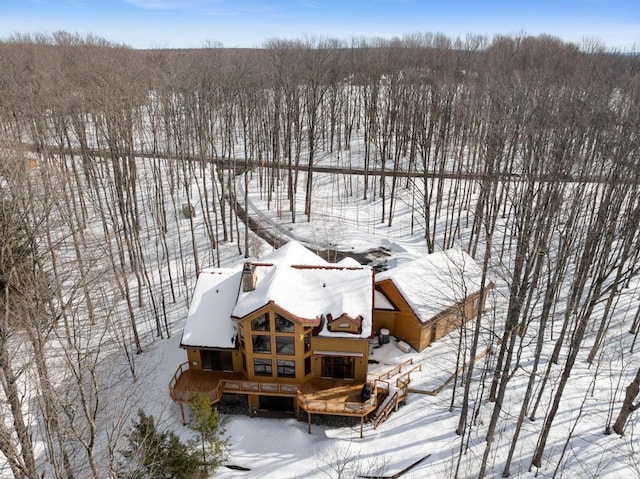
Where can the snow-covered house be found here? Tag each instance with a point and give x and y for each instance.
(422, 300)
(280, 329)
(292, 331)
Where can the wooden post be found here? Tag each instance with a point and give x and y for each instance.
(361, 425)
(309, 421)
(184, 422)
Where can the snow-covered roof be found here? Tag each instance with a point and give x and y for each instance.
(294, 279)
(436, 282)
(294, 253)
(308, 287)
(209, 322)
(349, 262)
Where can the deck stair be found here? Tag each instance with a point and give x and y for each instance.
(396, 380)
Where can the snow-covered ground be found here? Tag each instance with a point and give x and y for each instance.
(425, 424)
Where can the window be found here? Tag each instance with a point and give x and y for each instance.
(261, 323)
(307, 342)
(261, 343)
(307, 365)
(262, 367)
(286, 369)
(216, 360)
(285, 345)
(337, 367)
(283, 325)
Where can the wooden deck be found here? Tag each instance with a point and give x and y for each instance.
(319, 396)
(187, 382)
(336, 396)
(332, 389)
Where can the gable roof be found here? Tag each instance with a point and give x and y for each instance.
(292, 278)
(307, 287)
(436, 282)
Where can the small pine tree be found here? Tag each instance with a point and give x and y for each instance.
(154, 454)
(206, 421)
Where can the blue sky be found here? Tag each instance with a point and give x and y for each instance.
(248, 23)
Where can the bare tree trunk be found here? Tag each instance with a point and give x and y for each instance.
(628, 405)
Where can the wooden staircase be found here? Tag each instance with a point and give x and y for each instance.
(396, 380)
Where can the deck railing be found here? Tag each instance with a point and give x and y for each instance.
(244, 387)
(343, 408)
(178, 396)
(223, 385)
(383, 414)
(394, 370)
(406, 376)
(239, 386)
(400, 393)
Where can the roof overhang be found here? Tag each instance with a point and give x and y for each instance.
(349, 354)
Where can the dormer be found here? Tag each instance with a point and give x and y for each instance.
(344, 324)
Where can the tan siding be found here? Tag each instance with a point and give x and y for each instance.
(236, 356)
(384, 319)
(345, 345)
(193, 356)
(406, 325)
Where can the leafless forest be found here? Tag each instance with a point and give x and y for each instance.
(528, 142)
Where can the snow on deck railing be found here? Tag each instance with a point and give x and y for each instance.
(395, 370)
(397, 394)
(404, 379)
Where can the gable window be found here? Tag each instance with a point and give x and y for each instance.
(262, 367)
(283, 325)
(261, 343)
(261, 323)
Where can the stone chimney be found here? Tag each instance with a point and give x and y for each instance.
(248, 277)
